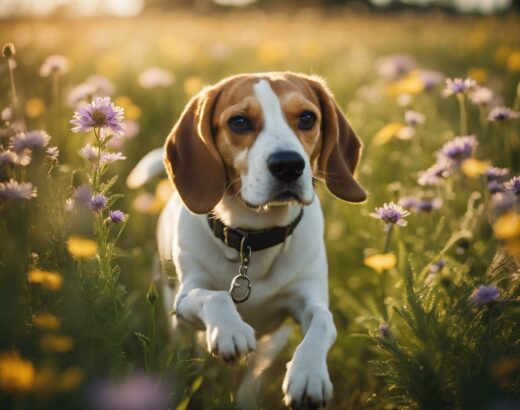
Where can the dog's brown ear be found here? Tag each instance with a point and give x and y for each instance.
(340, 150)
(191, 157)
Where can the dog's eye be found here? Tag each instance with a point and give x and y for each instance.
(306, 120)
(240, 124)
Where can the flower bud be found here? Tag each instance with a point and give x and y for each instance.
(9, 50)
(152, 295)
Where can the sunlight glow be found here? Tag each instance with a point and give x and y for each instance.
(120, 8)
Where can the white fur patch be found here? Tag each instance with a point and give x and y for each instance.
(259, 185)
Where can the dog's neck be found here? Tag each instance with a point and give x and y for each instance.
(234, 213)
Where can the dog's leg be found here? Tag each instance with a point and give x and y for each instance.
(307, 382)
(227, 335)
(268, 348)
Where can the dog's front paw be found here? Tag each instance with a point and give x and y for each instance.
(307, 386)
(230, 340)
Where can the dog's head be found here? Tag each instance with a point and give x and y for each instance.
(262, 137)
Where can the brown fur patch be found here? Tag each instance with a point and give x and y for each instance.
(237, 98)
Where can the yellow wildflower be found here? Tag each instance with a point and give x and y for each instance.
(502, 54)
(513, 247)
(45, 379)
(81, 248)
(70, 379)
(34, 107)
(411, 84)
(48, 280)
(16, 374)
(473, 168)
(57, 343)
(513, 61)
(385, 134)
(46, 321)
(132, 111)
(381, 261)
(507, 226)
(49, 380)
(478, 74)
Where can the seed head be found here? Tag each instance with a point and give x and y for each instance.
(9, 50)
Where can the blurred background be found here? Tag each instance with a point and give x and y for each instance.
(126, 8)
(380, 58)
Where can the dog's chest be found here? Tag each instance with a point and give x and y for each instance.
(268, 304)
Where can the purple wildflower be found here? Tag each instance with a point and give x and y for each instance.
(458, 149)
(139, 392)
(484, 295)
(408, 202)
(503, 114)
(94, 86)
(101, 113)
(429, 204)
(481, 96)
(102, 85)
(430, 78)
(132, 128)
(89, 152)
(502, 202)
(434, 174)
(395, 66)
(391, 214)
(23, 159)
(110, 157)
(437, 266)
(14, 190)
(420, 204)
(54, 65)
(98, 202)
(458, 86)
(155, 77)
(384, 330)
(53, 153)
(117, 216)
(494, 186)
(7, 158)
(29, 140)
(414, 118)
(513, 185)
(496, 174)
(81, 93)
(83, 194)
(6, 114)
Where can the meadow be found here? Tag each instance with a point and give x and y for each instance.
(427, 313)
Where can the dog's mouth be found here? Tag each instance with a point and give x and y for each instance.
(283, 198)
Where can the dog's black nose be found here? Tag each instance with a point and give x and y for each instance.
(286, 165)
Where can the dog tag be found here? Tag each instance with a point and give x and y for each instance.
(240, 288)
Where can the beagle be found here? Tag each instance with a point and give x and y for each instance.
(244, 227)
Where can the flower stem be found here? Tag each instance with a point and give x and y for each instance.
(389, 229)
(152, 335)
(56, 104)
(463, 115)
(14, 96)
